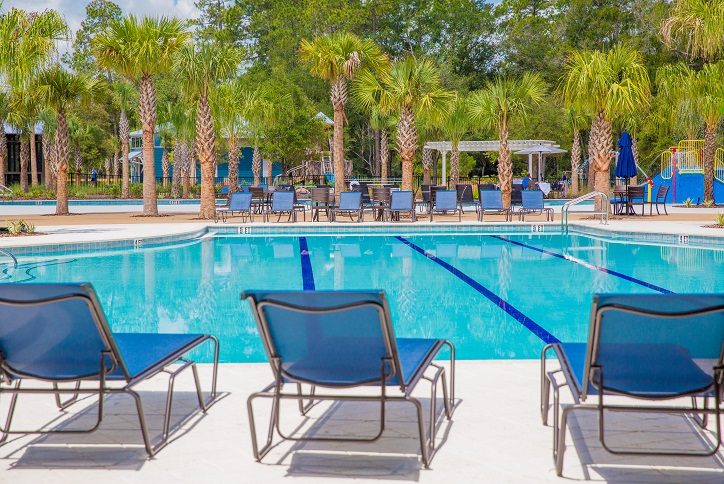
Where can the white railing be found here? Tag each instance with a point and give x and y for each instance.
(5, 192)
(566, 209)
(9, 254)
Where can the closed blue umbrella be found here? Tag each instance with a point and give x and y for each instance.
(626, 166)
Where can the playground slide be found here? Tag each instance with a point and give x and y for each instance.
(688, 185)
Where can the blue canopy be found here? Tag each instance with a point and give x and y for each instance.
(626, 166)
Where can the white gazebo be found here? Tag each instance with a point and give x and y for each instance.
(514, 145)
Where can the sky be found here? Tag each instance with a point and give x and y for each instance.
(74, 10)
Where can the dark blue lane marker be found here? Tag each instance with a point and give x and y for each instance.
(534, 327)
(589, 265)
(307, 273)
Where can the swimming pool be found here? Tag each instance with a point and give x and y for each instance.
(493, 295)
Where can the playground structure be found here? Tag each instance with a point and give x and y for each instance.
(312, 168)
(682, 168)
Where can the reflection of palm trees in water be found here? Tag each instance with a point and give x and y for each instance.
(206, 299)
(504, 265)
(407, 296)
(602, 281)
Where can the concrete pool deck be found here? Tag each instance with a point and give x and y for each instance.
(495, 435)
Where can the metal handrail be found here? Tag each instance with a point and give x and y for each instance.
(6, 192)
(565, 210)
(9, 254)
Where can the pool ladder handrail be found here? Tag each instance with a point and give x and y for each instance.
(9, 254)
(565, 210)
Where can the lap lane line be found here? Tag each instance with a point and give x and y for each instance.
(534, 327)
(307, 273)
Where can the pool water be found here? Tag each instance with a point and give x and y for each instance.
(493, 296)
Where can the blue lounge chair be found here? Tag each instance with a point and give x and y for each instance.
(446, 201)
(650, 348)
(240, 203)
(532, 201)
(350, 203)
(401, 201)
(282, 203)
(58, 333)
(491, 202)
(224, 190)
(340, 340)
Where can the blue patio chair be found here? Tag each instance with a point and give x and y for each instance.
(58, 333)
(224, 190)
(244, 188)
(532, 204)
(282, 202)
(491, 202)
(340, 340)
(350, 203)
(240, 203)
(446, 201)
(649, 348)
(401, 201)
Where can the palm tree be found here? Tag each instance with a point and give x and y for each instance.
(47, 117)
(576, 120)
(610, 85)
(337, 58)
(4, 111)
(228, 113)
(124, 95)
(381, 122)
(495, 105)
(412, 88)
(704, 91)
(180, 117)
(699, 24)
(60, 90)
(261, 112)
(455, 127)
(24, 111)
(201, 66)
(139, 49)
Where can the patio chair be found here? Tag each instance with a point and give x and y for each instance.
(258, 199)
(282, 202)
(634, 196)
(240, 203)
(533, 205)
(660, 198)
(445, 201)
(491, 202)
(650, 349)
(516, 195)
(58, 333)
(618, 202)
(224, 190)
(465, 195)
(350, 203)
(380, 200)
(338, 341)
(401, 201)
(320, 202)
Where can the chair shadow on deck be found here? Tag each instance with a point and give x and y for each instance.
(101, 449)
(395, 456)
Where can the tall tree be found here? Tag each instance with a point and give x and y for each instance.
(261, 112)
(201, 66)
(456, 126)
(337, 58)
(610, 85)
(4, 111)
(99, 13)
(139, 49)
(576, 121)
(494, 106)
(412, 88)
(697, 26)
(124, 95)
(61, 90)
(228, 111)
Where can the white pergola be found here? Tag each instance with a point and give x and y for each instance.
(514, 144)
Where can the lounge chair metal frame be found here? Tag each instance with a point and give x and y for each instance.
(456, 207)
(389, 369)
(11, 378)
(593, 384)
(395, 207)
(246, 212)
(349, 210)
(497, 210)
(536, 209)
(291, 210)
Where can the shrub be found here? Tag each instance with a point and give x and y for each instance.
(687, 203)
(708, 203)
(136, 190)
(720, 219)
(20, 227)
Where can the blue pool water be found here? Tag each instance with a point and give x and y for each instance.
(494, 296)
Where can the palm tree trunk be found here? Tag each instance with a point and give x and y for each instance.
(592, 135)
(384, 154)
(575, 162)
(256, 165)
(3, 155)
(426, 165)
(147, 113)
(116, 165)
(33, 160)
(47, 155)
(62, 153)
(407, 142)
(709, 154)
(206, 147)
(339, 100)
(601, 155)
(78, 163)
(178, 166)
(233, 165)
(505, 166)
(454, 166)
(126, 169)
(193, 154)
(635, 151)
(24, 161)
(165, 166)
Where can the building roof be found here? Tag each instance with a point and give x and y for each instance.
(513, 144)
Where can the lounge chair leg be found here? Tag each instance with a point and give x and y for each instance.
(63, 405)
(144, 427)
(5, 431)
(259, 453)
